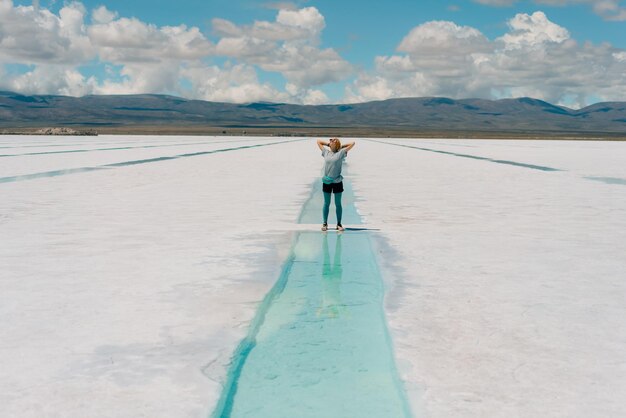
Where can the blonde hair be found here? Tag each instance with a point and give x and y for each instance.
(335, 145)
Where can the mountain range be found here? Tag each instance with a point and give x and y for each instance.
(523, 115)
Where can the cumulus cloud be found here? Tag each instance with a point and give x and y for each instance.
(289, 45)
(306, 96)
(155, 59)
(534, 58)
(238, 84)
(137, 78)
(30, 35)
(103, 15)
(308, 19)
(130, 40)
(144, 58)
(536, 29)
(439, 59)
(152, 58)
(433, 37)
(290, 25)
(314, 97)
(44, 79)
(607, 9)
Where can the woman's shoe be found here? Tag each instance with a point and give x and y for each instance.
(324, 227)
(340, 227)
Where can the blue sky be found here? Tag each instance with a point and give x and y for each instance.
(565, 51)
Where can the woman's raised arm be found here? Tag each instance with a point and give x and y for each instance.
(348, 146)
(321, 144)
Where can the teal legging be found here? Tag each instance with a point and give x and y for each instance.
(338, 208)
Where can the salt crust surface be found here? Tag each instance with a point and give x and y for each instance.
(17, 165)
(506, 290)
(123, 292)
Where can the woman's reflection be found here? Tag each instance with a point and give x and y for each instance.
(331, 306)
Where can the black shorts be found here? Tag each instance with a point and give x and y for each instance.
(333, 187)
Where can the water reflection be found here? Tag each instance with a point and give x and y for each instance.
(331, 306)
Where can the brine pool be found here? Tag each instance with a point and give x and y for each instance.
(319, 345)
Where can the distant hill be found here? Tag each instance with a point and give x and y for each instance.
(414, 114)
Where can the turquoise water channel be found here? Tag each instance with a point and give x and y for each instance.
(319, 345)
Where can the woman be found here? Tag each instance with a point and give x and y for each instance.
(333, 153)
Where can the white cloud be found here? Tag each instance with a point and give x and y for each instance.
(440, 59)
(288, 46)
(308, 19)
(607, 9)
(247, 48)
(535, 58)
(238, 84)
(44, 79)
(29, 35)
(152, 58)
(368, 87)
(435, 36)
(306, 66)
(535, 29)
(304, 24)
(138, 78)
(103, 15)
(314, 97)
(130, 40)
(305, 96)
(140, 57)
